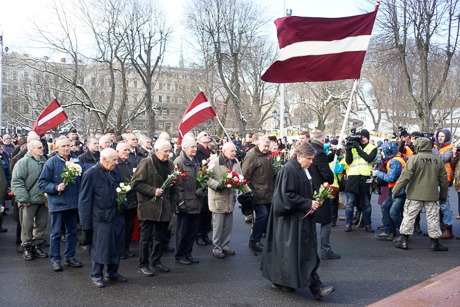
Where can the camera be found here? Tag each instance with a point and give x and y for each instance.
(377, 183)
(353, 139)
(402, 131)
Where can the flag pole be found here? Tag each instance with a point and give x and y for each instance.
(229, 139)
(347, 114)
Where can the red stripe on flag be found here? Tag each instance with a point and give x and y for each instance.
(51, 117)
(197, 112)
(320, 49)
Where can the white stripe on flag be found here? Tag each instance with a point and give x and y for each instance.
(348, 44)
(50, 116)
(196, 109)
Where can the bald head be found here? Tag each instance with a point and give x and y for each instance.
(229, 150)
(109, 158)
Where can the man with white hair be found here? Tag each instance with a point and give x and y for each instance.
(203, 152)
(62, 205)
(156, 206)
(105, 236)
(222, 200)
(32, 210)
(145, 146)
(104, 142)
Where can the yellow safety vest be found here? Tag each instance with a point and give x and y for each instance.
(359, 166)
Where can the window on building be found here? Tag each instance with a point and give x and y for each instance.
(167, 125)
(164, 112)
(102, 81)
(27, 90)
(176, 86)
(168, 99)
(93, 81)
(160, 125)
(135, 83)
(26, 75)
(26, 109)
(135, 97)
(160, 85)
(176, 100)
(15, 76)
(168, 86)
(5, 75)
(160, 98)
(82, 81)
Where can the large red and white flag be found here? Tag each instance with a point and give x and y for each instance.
(197, 112)
(320, 49)
(52, 116)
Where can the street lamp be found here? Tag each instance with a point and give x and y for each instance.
(275, 116)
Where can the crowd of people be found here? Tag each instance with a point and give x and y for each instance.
(103, 192)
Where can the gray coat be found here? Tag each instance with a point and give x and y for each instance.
(146, 180)
(186, 186)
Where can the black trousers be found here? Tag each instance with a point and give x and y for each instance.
(151, 233)
(187, 228)
(205, 220)
(130, 217)
(335, 209)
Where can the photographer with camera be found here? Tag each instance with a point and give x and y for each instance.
(360, 156)
(444, 150)
(391, 209)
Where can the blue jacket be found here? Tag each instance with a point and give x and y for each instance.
(98, 212)
(50, 178)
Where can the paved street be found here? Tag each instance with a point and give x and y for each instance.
(369, 270)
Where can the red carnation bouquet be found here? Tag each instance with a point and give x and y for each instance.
(233, 180)
(275, 155)
(204, 174)
(324, 192)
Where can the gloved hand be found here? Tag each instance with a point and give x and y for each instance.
(356, 145)
(199, 193)
(86, 237)
(182, 208)
(402, 147)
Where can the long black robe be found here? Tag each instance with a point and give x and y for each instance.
(290, 254)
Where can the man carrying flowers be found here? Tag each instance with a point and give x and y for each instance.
(222, 198)
(156, 206)
(60, 180)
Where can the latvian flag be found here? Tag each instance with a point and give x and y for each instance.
(197, 112)
(320, 49)
(52, 116)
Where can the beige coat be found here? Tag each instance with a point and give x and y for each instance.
(221, 201)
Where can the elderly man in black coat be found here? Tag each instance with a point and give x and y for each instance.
(290, 259)
(321, 173)
(102, 221)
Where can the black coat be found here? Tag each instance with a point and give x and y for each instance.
(88, 159)
(124, 170)
(186, 186)
(201, 154)
(97, 207)
(290, 254)
(320, 173)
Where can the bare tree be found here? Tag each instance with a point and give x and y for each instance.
(422, 31)
(230, 27)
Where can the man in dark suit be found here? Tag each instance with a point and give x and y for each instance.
(321, 173)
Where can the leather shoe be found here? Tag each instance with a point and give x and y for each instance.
(207, 240)
(146, 271)
(219, 255)
(257, 246)
(330, 256)
(284, 288)
(28, 254)
(347, 228)
(57, 267)
(3, 229)
(381, 227)
(99, 283)
(129, 254)
(37, 252)
(228, 252)
(183, 261)
(74, 263)
(369, 229)
(323, 291)
(193, 260)
(168, 249)
(201, 242)
(162, 268)
(45, 243)
(118, 278)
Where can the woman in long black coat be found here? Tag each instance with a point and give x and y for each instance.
(290, 258)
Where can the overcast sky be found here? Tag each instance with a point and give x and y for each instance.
(16, 16)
